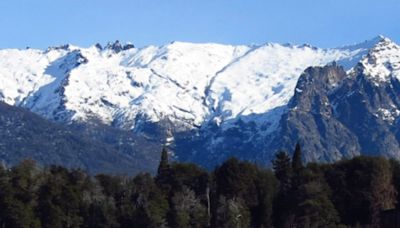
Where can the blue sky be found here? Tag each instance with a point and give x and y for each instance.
(324, 23)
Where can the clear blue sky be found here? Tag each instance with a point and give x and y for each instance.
(324, 23)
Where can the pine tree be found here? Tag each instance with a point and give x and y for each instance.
(283, 201)
(163, 178)
(164, 165)
(297, 164)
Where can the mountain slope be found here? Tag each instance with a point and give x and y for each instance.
(333, 113)
(25, 135)
(357, 116)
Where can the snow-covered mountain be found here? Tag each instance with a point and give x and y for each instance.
(188, 83)
(192, 86)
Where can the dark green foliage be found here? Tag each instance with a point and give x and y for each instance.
(283, 171)
(235, 178)
(184, 175)
(361, 189)
(283, 202)
(21, 202)
(266, 192)
(236, 194)
(312, 206)
(189, 185)
(151, 207)
(62, 196)
(246, 191)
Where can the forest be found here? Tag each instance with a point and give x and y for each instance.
(349, 193)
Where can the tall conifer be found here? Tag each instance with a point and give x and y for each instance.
(297, 164)
(164, 164)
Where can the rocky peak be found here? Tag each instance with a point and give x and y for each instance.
(98, 46)
(316, 82)
(382, 61)
(353, 117)
(128, 46)
(64, 47)
(117, 46)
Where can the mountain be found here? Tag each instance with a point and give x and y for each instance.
(212, 101)
(186, 83)
(346, 114)
(335, 112)
(26, 135)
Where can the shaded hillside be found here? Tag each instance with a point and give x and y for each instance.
(94, 148)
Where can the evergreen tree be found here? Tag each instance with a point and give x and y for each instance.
(185, 175)
(163, 178)
(98, 209)
(283, 201)
(150, 205)
(362, 188)
(164, 164)
(23, 181)
(237, 179)
(49, 209)
(238, 194)
(311, 205)
(110, 185)
(61, 197)
(242, 184)
(297, 164)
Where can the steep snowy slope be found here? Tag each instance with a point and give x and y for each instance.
(333, 112)
(23, 72)
(189, 84)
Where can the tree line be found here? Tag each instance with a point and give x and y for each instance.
(348, 193)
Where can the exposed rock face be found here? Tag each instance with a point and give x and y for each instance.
(335, 115)
(116, 46)
(310, 118)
